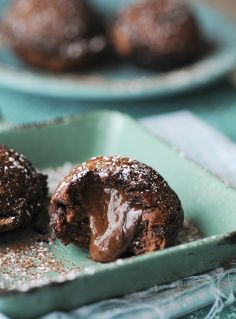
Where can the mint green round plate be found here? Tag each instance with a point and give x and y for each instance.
(128, 82)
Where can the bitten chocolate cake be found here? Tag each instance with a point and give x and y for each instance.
(115, 205)
(157, 34)
(55, 35)
(23, 191)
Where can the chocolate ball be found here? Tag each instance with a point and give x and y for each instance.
(56, 35)
(114, 206)
(23, 191)
(157, 34)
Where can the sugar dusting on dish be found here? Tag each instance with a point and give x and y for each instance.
(57, 174)
(30, 262)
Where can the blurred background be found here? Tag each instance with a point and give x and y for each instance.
(28, 95)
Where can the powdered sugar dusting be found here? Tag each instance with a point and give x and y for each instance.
(55, 175)
(117, 165)
(29, 262)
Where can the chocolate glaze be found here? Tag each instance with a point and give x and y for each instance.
(155, 34)
(23, 191)
(56, 34)
(114, 205)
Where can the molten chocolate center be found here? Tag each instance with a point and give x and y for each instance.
(112, 219)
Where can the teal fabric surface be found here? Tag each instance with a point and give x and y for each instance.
(198, 141)
(166, 301)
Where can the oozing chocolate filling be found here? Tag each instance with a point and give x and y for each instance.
(114, 206)
(112, 221)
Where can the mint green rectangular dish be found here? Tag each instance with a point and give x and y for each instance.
(207, 201)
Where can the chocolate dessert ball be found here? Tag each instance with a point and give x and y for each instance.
(55, 35)
(157, 34)
(113, 206)
(23, 191)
